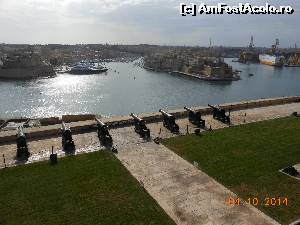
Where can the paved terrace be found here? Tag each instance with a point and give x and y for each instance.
(187, 194)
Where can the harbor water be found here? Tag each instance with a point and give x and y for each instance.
(127, 88)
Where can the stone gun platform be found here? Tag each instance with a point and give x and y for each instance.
(41, 139)
(188, 195)
(120, 121)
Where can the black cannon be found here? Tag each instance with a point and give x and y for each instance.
(103, 134)
(169, 121)
(220, 114)
(195, 117)
(140, 126)
(22, 147)
(67, 139)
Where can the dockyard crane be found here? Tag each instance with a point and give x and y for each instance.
(274, 47)
(251, 45)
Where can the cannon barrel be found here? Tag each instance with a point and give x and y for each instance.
(64, 126)
(195, 117)
(188, 109)
(136, 117)
(220, 114)
(217, 107)
(99, 122)
(165, 113)
(22, 148)
(20, 132)
(140, 126)
(213, 107)
(67, 139)
(103, 133)
(169, 121)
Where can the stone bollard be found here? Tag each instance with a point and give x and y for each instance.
(4, 161)
(53, 158)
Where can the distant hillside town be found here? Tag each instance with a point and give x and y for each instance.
(202, 62)
(190, 64)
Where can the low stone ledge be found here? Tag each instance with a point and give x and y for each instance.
(123, 121)
(77, 118)
(50, 121)
(52, 131)
(7, 137)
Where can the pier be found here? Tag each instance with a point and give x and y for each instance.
(201, 77)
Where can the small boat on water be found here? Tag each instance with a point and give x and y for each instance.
(62, 69)
(85, 68)
(251, 74)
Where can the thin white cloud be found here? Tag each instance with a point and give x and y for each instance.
(137, 21)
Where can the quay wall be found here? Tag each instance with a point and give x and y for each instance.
(208, 78)
(123, 121)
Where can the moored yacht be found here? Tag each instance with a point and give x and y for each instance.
(84, 68)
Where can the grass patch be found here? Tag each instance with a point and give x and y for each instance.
(246, 159)
(86, 189)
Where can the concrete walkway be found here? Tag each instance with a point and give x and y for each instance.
(188, 195)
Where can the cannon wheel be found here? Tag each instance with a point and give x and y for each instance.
(175, 129)
(146, 133)
(164, 123)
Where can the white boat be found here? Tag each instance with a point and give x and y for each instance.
(272, 60)
(85, 68)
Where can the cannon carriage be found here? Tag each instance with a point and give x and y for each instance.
(103, 134)
(169, 121)
(22, 147)
(195, 117)
(140, 126)
(220, 114)
(67, 139)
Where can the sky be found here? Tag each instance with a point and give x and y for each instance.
(141, 22)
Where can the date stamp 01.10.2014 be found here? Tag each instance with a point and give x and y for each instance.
(256, 201)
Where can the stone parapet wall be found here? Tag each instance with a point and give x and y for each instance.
(77, 118)
(123, 121)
